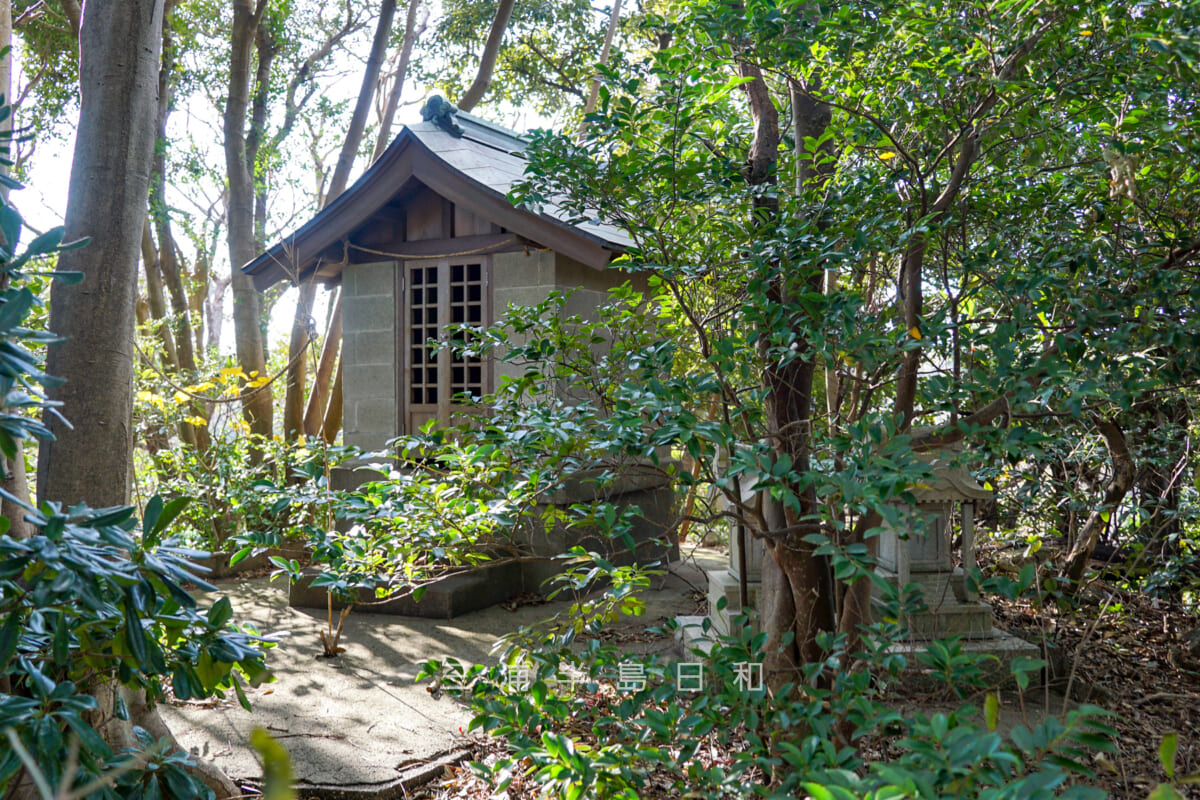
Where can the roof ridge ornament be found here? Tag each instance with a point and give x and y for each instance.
(441, 113)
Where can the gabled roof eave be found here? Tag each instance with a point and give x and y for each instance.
(296, 255)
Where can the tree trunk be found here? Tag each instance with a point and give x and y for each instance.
(319, 398)
(1118, 485)
(6, 29)
(167, 252)
(333, 415)
(107, 198)
(487, 61)
(16, 483)
(412, 29)
(297, 368)
(155, 300)
(931, 209)
(155, 308)
(799, 601)
(110, 175)
(257, 407)
(362, 108)
(614, 21)
(72, 10)
(302, 326)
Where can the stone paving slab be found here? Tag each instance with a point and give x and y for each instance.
(358, 725)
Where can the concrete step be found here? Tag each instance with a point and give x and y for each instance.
(721, 584)
(969, 620)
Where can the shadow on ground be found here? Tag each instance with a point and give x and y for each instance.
(358, 725)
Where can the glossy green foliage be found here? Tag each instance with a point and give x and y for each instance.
(579, 404)
(87, 602)
(1059, 278)
(581, 718)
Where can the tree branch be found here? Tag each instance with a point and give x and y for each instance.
(487, 62)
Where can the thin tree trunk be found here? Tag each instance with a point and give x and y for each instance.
(912, 262)
(12, 477)
(167, 255)
(302, 325)
(412, 29)
(247, 306)
(614, 21)
(6, 30)
(487, 61)
(333, 415)
(1118, 486)
(16, 482)
(802, 576)
(155, 302)
(362, 108)
(319, 398)
(72, 10)
(155, 309)
(297, 369)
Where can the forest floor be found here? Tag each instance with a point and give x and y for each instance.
(1129, 654)
(1122, 651)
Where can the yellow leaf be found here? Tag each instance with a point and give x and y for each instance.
(1085, 33)
(180, 398)
(914, 333)
(991, 710)
(886, 155)
(197, 421)
(231, 372)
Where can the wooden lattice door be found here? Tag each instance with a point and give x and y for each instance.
(436, 295)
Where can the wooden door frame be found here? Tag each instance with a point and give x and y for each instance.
(404, 334)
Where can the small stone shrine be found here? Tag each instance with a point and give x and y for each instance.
(921, 552)
(726, 583)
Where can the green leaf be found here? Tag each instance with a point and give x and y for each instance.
(1166, 753)
(16, 307)
(220, 613)
(1164, 791)
(48, 242)
(150, 516)
(991, 710)
(62, 642)
(164, 516)
(67, 277)
(277, 766)
(135, 635)
(9, 636)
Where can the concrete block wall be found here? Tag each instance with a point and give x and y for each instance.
(369, 339)
(520, 279)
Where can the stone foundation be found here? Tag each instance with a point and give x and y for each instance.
(489, 584)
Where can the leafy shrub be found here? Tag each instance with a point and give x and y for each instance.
(85, 603)
(607, 736)
(88, 607)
